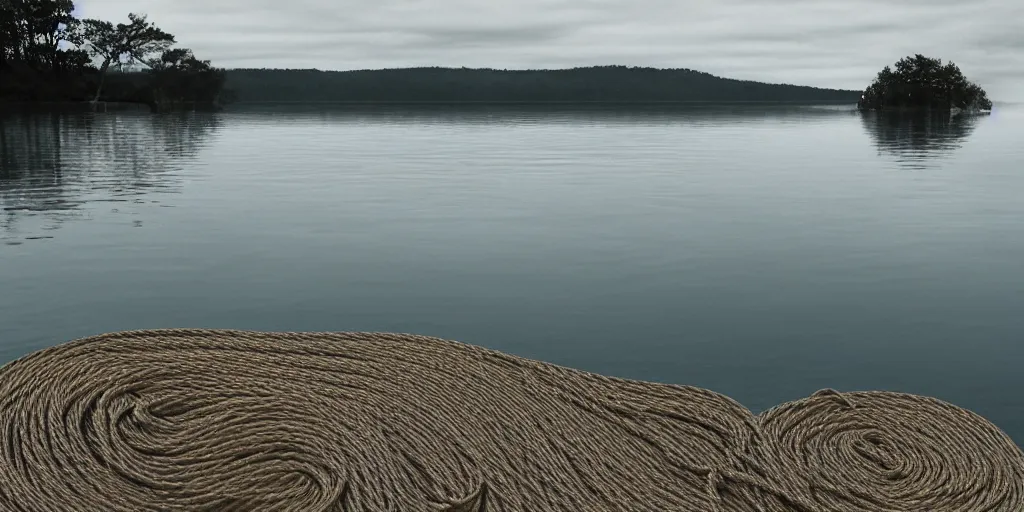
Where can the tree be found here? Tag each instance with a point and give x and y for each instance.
(180, 78)
(39, 58)
(31, 31)
(47, 54)
(920, 82)
(131, 42)
(52, 24)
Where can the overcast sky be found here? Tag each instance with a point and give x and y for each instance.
(826, 43)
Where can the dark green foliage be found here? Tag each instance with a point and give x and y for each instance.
(46, 54)
(179, 78)
(37, 58)
(125, 43)
(31, 31)
(919, 82)
(595, 84)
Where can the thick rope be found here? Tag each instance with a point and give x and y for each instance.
(890, 451)
(228, 420)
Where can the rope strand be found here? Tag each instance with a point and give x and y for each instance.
(357, 422)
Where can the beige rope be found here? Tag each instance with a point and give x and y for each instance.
(228, 420)
(890, 451)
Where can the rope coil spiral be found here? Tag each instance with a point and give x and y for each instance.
(356, 422)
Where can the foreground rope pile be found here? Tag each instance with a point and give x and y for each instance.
(224, 420)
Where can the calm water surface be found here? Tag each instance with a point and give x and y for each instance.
(762, 253)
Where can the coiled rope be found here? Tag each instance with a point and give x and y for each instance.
(351, 422)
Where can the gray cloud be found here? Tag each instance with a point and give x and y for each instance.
(828, 43)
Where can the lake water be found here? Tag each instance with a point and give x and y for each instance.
(764, 253)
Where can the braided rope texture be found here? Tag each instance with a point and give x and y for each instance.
(354, 422)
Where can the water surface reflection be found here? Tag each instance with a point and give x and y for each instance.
(54, 166)
(921, 140)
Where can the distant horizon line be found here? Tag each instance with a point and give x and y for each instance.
(552, 102)
(534, 70)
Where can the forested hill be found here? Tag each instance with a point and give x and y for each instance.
(596, 84)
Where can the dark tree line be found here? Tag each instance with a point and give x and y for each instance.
(920, 82)
(180, 77)
(33, 61)
(47, 54)
(594, 84)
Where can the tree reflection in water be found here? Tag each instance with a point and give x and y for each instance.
(55, 167)
(918, 140)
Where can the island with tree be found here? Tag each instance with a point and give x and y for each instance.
(49, 55)
(920, 83)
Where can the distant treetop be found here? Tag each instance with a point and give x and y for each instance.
(920, 82)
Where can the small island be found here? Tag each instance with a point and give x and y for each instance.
(922, 83)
